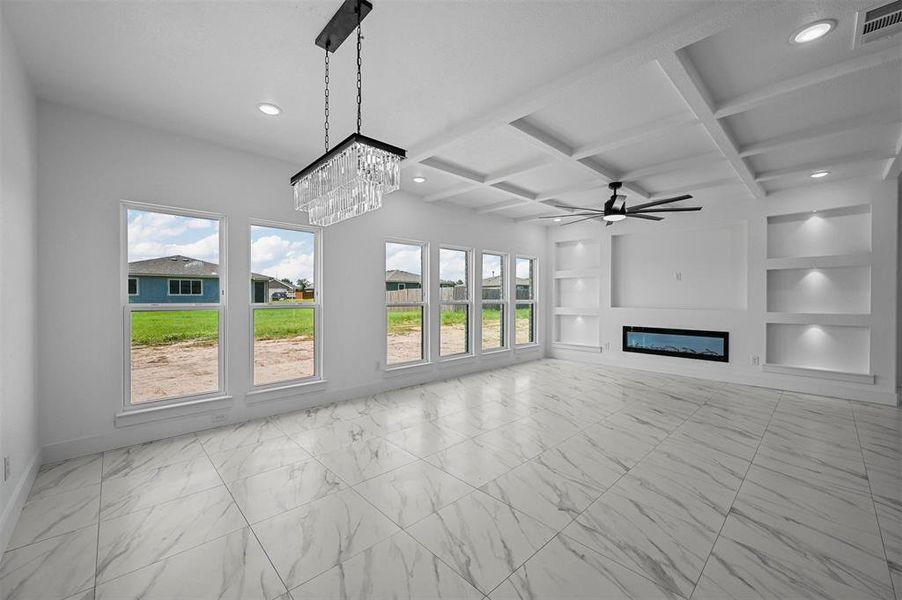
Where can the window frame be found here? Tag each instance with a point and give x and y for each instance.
(315, 306)
(424, 305)
(221, 307)
(469, 302)
(180, 280)
(533, 301)
(504, 301)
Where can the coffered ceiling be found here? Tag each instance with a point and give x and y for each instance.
(504, 107)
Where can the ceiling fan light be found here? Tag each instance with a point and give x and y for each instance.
(613, 218)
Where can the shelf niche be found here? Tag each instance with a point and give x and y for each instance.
(841, 290)
(838, 348)
(830, 232)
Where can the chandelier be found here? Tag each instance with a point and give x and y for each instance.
(351, 178)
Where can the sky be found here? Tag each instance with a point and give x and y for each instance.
(404, 257)
(276, 252)
(154, 235)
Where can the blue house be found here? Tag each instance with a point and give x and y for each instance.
(173, 279)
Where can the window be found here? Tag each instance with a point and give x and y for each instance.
(174, 345)
(186, 287)
(454, 292)
(494, 292)
(285, 312)
(405, 303)
(525, 312)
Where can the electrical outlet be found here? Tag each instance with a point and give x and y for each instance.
(220, 418)
(6, 468)
(607, 345)
(756, 360)
(679, 276)
(378, 365)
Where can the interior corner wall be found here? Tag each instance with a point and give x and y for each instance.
(899, 294)
(89, 163)
(18, 267)
(746, 321)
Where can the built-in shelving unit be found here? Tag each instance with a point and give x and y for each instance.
(576, 294)
(818, 292)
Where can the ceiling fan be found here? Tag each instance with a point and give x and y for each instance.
(615, 208)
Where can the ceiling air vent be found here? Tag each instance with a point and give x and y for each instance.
(877, 23)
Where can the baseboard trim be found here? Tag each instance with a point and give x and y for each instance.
(245, 411)
(10, 515)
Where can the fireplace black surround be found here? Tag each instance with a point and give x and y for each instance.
(683, 343)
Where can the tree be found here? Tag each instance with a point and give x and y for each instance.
(303, 283)
(285, 280)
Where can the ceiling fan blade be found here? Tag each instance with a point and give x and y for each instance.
(619, 202)
(589, 214)
(581, 220)
(664, 201)
(657, 210)
(643, 216)
(568, 207)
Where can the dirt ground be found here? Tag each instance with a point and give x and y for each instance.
(190, 368)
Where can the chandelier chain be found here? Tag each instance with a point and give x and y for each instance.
(359, 69)
(327, 96)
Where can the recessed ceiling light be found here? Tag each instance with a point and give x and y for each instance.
(812, 32)
(419, 179)
(270, 109)
(819, 174)
(557, 219)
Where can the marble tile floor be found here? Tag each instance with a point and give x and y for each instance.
(547, 480)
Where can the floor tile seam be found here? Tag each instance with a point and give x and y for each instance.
(248, 524)
(574, 519)
(57, 494)
(267, 470)
(155, 504)
(141, 470)
(96, 521)
(732, 502)
(892, 583)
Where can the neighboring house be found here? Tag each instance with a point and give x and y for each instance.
(491, 287)
(396, 279)
(173, 279)
(277, 285)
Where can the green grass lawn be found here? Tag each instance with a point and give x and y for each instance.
(154, 328)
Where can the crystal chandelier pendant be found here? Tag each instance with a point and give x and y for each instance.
(348, 181)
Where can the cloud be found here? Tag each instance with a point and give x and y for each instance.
(280, 258)
(452, 265)
(523, 268)
(152, 235)
(404, 257)
(206, 248)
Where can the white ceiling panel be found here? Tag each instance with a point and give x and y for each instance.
(865, 92)
(872, 170)
(481, 198)
(603, 107)
(685, 179)
(683, 142)
(757, 52)
(436, 181)
(848, 145)
(557, 175)
(491, 151)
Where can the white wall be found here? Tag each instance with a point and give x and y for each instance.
(745, 321)
(18, 266)
(89, 163)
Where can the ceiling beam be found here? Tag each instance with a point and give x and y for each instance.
(684, 32)
(451, 192)
(688, 189)
(501, 206)
(761, 96)
(547, 142)
(689, 84)
(452, 169)
(635, 135)
(813, 134)
(586, 186)
(519, 169)
(675, 165)
(514, 191)
(863, 157)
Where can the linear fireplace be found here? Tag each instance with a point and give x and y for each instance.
(684, 343)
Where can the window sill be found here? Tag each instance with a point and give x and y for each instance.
(531, 346)
(454, 359)
(407, 368)
(279, 392)
(170, 411)
(494, 352)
